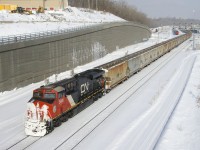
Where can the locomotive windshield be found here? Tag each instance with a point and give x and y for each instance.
(46, 97)
(49, 96)
(37, 95)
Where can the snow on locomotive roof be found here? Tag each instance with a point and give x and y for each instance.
(93, 73)
(59, 89)
(46, 87)
(63, 82)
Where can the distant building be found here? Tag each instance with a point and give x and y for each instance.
(33, 4)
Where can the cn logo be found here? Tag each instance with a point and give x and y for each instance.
(84, 87)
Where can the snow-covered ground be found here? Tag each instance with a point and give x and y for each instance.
(12, 24)
(136, 119)
(183, 130)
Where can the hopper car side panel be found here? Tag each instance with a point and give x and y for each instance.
(134, 64)
(117, 73)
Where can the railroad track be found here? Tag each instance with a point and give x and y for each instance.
(24, 143)
(17, 142)
(142, 82)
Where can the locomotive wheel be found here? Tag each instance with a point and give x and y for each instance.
(95, 97)
(100, 95)
(73, 112)
(58, 122)
(70, 114)
(108, 90)
(65, 118)
(81, 107)
(50, 127)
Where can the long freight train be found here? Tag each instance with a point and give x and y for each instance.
(55, 103)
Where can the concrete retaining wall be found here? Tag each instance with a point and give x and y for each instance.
(32, 61)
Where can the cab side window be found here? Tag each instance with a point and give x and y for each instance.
(70, 87)
(61, 94)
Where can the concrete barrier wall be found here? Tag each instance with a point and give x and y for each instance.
(32, 61)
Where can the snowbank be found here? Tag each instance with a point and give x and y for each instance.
(14, 23)
(182, 132)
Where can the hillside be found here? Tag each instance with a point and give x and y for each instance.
(12, 24)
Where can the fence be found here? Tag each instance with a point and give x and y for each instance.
(37, 35)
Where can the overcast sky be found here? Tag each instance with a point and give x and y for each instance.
(168, 8)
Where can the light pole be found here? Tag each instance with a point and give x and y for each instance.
(193, 33)
(193, 41)
(193, 47)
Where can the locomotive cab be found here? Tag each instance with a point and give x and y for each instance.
(45, 105)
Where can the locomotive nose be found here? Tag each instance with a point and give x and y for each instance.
(35, 129)
(35, 125)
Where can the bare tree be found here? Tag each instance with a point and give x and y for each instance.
(118, 8)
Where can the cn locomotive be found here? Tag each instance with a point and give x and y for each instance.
(55, 103)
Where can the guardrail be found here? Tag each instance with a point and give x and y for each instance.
(37, 35)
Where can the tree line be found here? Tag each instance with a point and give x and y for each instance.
(118, 8)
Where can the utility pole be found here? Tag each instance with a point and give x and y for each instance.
(193, 47)
(193, 32)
